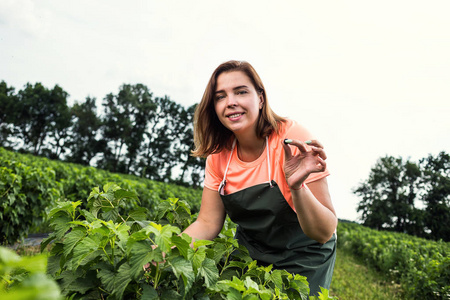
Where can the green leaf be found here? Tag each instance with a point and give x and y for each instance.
(37, 287)
(110, 214)
(141, 254)
(163, 235)
(138, 214)
(121, 280)
(200, 243)
(149, 293)
(72, 238)
(182, 243)
(85, 249)
(277, 278)
(122, 194)
(209, 272)
(236, 284)
(77, 281)
(182, 267)
(198, 257)
(89, 217)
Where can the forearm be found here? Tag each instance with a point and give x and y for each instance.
(201, 230)
(317, 221)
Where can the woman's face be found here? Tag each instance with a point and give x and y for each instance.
(237, 103)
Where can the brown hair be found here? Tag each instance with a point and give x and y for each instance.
(210, 136)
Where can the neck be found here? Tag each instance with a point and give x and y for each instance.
(249, 149)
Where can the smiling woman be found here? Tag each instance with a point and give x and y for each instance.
(275, 192)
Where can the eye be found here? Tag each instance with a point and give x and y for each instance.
(241, 92)
(219, 97)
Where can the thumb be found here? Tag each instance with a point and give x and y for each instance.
(287, 150)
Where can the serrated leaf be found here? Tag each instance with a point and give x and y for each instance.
(200, 243)
(87, 246)
(141, 253)
(277, 278)
(47, 240)
(122, 194)
(198, 258)
(163, 238)
(149, 293)
(121, 280)
(182, 244)
(236, 284)
(72, 238)
(233, 294)
(110, 214)
(209, 272)
(89, 217)
(76, 282)
(138, 214)
(182, 267)
(250, 284)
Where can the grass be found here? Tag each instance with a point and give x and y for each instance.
(353, 280)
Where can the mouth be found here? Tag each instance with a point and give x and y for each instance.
(234, 115)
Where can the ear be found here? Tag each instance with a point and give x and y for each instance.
(261, 101)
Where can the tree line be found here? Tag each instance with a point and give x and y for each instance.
(407, 196)
(133, 132)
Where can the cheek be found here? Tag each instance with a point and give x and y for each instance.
(218, 108)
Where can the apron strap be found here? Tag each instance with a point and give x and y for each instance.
(224, 180)
(268, 161)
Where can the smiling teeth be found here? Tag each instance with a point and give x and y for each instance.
(234, 116)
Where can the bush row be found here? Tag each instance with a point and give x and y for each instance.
(30, 186)
(421, 266)
(101, 252)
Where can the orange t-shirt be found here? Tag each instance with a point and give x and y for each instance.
(242, 174)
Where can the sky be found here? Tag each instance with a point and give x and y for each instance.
(368, 79)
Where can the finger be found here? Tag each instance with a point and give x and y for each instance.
(299, 144)
(287, 150)
(321, 166)
(320, 152)
(315, 143)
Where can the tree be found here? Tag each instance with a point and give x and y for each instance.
(8, 114)
(192, 167)
(126, 117)
(436, 183)
(42, 114)
(162, 141)
(60, 124)
(394, 187)
(389, 195)
(83, 144)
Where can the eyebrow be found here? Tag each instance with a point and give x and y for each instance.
(235, 88)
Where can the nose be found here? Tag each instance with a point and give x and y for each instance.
(231, 101)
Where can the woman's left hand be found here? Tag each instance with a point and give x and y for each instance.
(310, 159)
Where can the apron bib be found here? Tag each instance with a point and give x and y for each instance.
(268, 227)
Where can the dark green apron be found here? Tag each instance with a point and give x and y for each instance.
(268, 227)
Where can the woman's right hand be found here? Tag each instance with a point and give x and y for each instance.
(310, 159)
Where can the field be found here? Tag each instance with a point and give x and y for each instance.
(101, 237)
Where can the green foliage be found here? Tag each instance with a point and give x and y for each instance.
(436, 183)
(30, 186)
(391, 196)
(135, 134)
(101, 253)
(24, 278)
(25, 193)
(421, 266)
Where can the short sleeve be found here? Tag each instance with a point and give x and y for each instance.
(212, 178)
(298, 132)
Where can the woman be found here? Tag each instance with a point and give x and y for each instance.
(267, 174)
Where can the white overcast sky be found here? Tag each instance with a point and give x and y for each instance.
(369, 79)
